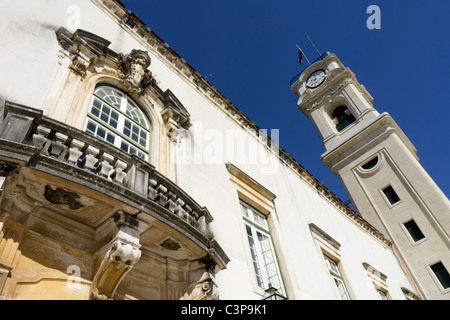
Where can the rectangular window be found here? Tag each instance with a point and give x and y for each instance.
(263, 256)
(442, 274)
(414, 230)
(337, 278)
(391, 195)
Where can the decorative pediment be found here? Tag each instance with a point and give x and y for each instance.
(83, 47)
(96, 44)
(174, 113)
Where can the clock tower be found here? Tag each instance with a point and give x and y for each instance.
(378, 166)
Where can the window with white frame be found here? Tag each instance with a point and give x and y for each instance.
(329, 249)
(337, 278)
(114, 117)
(263, 256)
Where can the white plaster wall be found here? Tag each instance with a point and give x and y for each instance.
(29, 65)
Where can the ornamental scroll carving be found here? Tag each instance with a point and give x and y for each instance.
(122, 254)
(134, 67)
(205, 289)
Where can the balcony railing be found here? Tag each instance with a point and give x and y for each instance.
(79, 149)
(295, 79)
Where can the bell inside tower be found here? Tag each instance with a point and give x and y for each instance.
(342, 118)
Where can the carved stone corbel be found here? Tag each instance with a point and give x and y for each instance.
(205, 289)
(121, 255)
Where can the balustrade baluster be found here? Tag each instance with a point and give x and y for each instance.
(119, 173)
(57, 145)
(75, 151)
(105, 168)
(90, 159)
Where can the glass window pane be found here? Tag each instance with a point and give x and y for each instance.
(101, 132)
(254, 255)
(332, 266)
(244, 209)
(341, 289)
(260, 219)
(391, 195)
(91, 128)
(414, 230)
(113, 123)
(110, 138)
(124, 146)
(136, 114)
(109, 95)
(442, 274)
(104, 117)
(96, 107)
(115, 115)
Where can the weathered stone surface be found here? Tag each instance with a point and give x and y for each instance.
(61, 196)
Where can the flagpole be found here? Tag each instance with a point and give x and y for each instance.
(313, 45)
(303, 54)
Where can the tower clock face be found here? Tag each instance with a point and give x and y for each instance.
(316, 79)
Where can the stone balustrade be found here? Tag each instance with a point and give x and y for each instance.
(82, 150)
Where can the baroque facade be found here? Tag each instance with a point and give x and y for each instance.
(115, 183)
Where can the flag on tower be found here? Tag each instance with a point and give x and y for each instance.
(300, 55)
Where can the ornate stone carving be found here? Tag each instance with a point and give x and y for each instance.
(60, 196)
(121, 255)
(205, 289)
(134, 66)
(170, 244)
(83, 48)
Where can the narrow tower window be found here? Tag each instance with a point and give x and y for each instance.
(414, 230)
(343, 117)
(442, 274)
(391, 195)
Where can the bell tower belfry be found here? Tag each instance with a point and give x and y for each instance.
(380, 171)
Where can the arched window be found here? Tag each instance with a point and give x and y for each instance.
(116, 118)
(342, 117)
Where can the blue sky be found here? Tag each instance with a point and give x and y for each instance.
(247, 50)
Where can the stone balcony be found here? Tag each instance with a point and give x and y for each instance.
(72, 188)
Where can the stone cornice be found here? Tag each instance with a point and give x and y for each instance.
(336, 157)
(241, 175)
(137, 28)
